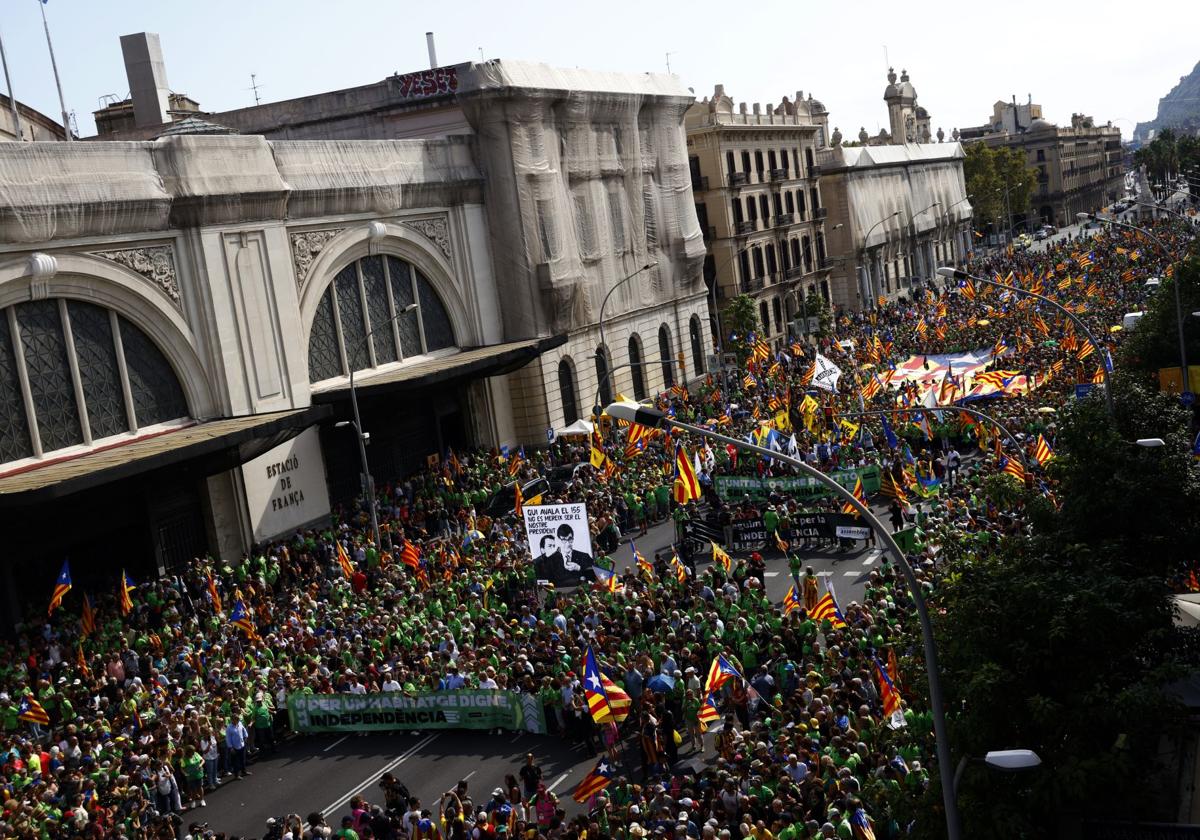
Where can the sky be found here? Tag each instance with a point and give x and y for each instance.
(1093, 58)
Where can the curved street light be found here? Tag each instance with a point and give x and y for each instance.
(1010, 761)
(1106, 367)
(865, 248)
(604, 347)
(654, 419)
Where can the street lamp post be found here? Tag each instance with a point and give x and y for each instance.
(656, 419)
(959, 274)
(363, 437)
(603, 348)
(865, 249)
(1184, 379)
(1010, 761)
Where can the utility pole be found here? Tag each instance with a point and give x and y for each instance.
(12, 100)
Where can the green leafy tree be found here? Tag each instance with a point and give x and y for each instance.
(989, 172)
(816, 307)
(739, 319)
(1154, 342)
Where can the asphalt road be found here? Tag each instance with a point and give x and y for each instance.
(322, 773)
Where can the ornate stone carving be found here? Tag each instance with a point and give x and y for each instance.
(435, 230)
(305, 248)
(156, 263)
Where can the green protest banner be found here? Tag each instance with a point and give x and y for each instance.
(734, 487)
(464, 709)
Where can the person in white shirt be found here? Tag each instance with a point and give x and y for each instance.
(489, 680)
(390, 683)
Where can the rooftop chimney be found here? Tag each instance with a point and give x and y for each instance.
(147, 75)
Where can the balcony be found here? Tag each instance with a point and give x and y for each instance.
(737, 179)
(814, 171)
(700, 184)
(794, 272)
(747, 227)
(784, 219)
(779, 174)
(820, 213)
(752, 284)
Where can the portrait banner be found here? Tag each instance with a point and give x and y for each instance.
(559, 542)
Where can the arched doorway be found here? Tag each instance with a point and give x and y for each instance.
(636, 369)
(566, 390)
(696, 335)
(665, 354)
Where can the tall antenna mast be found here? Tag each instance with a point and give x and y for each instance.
(254, 86)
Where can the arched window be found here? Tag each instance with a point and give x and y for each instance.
(602, 380)
(697, 344)
(362, 300)
(636, 369)
(566, 391)
(664, 352)
(89, 375)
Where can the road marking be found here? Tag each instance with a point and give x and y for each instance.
(850, 574)
(771, 574)
(824, 574)
(335, 743)
(558, 782)
(515, 738)
(391, 765)
(469, 775)
(874, 555)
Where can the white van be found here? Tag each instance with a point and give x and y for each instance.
(1130, 320)
(1153, 283)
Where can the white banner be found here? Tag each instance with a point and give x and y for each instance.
(826, 375)
(559, 541)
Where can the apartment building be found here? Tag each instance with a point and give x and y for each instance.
(756, 183)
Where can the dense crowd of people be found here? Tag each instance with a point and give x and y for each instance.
(152, 704)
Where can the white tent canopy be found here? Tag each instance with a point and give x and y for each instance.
(579, 427)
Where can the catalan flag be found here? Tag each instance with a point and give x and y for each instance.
(888, 486)
(123, 597)
(1042, 452)
(62, 585)
(87, 620)
(81, 660)
(791, 601)
(762, 350)
(719, 673)
(921, 328)
(827, 609)
(410, 555)
(881, 300)
(518, 505)
(31, 711)
(514, 464)
(612, 702)
(967, 287)
(708, 712)
(240, 618)
(1086, 349)
(780, 542)
(748, 381)
(1086, 260)
(595, 781)
(858, 494)
(861, 826)
(344, 560)
(213, 594)
(721, 556)
(687, 486)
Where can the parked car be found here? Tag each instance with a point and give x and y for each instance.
(504, 499)
(562, 475)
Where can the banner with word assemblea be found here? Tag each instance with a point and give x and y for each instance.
(461, 709)
(732, 488)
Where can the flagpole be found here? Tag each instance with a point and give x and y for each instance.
(62, 104)
(12, 100)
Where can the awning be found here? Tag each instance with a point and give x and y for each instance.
(224, 443)
(476, 363)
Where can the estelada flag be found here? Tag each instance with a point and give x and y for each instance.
(240, 619)
(31, 711)
(593, 689)
(595, 781)
(708, 712)
(719, 673)
(791, 600)
(62, 585)
(888, 695)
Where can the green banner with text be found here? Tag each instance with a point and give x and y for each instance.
(464, 709)
(733, 487)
